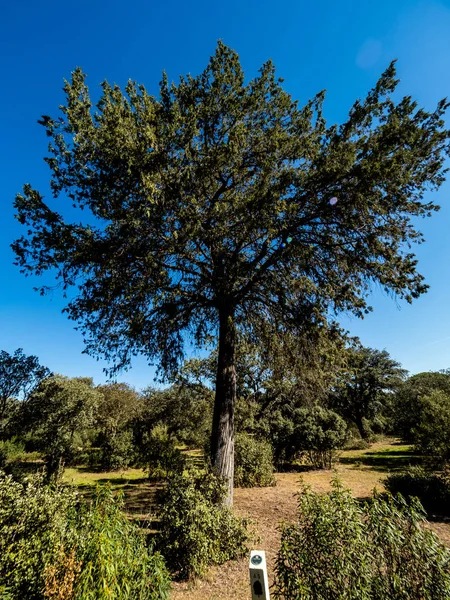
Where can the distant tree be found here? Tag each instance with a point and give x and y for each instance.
(367, 387)
(408, 403)
(119, 406)
(221, 206)
(186, 409)
(432, 433)
(19, 374)
(58, 412)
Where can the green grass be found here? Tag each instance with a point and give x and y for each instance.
(82, 476)
(388, 455)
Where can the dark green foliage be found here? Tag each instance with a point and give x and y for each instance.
(222, 206)
(59, 412)
(116, 450)
(365, 389)
(118, 408)
(185, 408)
(159, 453)
(314, 433)
(253, 462)
(318, 434)
(19, 375)
(341, 550)
(49, 541)
(432, 433)
(432, 489)
(241, 155)
(408, 404)
(196, 530)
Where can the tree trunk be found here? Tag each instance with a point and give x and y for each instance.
(222, 435)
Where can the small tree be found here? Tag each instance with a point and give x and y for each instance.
(318, 433)
(408, 400)
(58, 410)
(119, 405)
(19, 374)
(222, 206)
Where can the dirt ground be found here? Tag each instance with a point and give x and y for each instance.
(267, 507)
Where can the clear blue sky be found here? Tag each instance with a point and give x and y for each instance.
(339, 46)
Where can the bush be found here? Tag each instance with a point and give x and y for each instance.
(343, 550)
(196, 530)
(53, 547)
(433, 490)
(12, 449)
(159, 453)
(253, 462)
(117, 450)
(318, 434)
(115, 561)
(32, 528)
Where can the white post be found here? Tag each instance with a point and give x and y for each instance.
(259, 581)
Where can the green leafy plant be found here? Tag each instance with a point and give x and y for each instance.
(253, 462)
(116, 562)
(196, 530)
(33, 527)
(116, 450)
(159, 453)
(339, 549)
(52, 546)
(432, 433)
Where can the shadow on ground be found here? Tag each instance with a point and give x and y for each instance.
(384, 460)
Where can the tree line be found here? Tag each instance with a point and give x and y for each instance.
(292, 406)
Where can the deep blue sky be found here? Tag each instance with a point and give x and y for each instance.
(340, 46)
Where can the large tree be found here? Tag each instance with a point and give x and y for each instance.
(221, 205)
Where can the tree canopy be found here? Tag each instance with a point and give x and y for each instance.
(222, 205)
(19, 374)
(59, 412)
(365, 387)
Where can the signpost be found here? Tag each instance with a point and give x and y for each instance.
(258, 575)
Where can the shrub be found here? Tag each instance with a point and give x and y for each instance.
(12, 449)
(432, 489)
(160, 454)
(32, 529)
(116, 563)
(253, 462)
(196, 530)
(117, 450)
(318, 434)
(343, 550)
(53, 547)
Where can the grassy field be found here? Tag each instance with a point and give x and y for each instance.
(360, 470)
